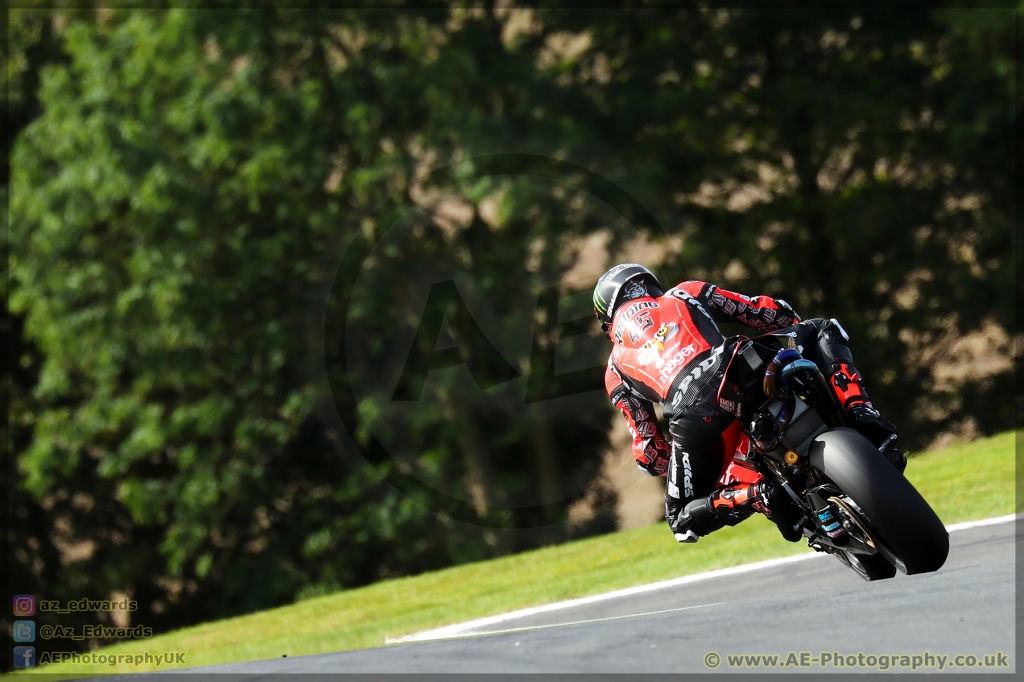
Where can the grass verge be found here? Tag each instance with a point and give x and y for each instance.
(963, 482)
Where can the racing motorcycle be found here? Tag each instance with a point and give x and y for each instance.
(854, 503)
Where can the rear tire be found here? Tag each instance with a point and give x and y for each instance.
(894, 508)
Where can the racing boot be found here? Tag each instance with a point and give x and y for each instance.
(695, 520)
(880, 431)
(705, 515)
(871, 424)
(849, 387)
(690, 521)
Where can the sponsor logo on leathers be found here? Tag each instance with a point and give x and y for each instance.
(701, 367)
(677, 360)
(637, 307)
(622, 321)
(651, 351)
(682, 459)
(638, 325)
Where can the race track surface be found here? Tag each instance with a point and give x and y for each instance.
(809, 606)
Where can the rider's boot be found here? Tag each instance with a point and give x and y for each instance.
(692, 521)
(879, 430)
(728, 506)
(849, 388)
(705, 515)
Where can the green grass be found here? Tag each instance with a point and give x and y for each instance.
(963, 482)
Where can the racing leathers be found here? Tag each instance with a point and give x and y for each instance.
(669, 350)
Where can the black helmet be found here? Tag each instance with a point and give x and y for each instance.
(624, 282)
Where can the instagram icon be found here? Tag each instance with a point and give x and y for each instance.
(24, 605)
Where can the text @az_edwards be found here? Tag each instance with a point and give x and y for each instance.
(95, 632)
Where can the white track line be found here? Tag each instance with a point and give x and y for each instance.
(459, 629)
(581, 622)
(983, 522)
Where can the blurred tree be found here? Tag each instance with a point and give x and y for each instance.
(27, 523)
(180, 207)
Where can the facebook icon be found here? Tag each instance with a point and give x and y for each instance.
(24, 657)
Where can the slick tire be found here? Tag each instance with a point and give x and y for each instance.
(896, 511)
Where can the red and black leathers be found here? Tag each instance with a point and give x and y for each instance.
(670, 351)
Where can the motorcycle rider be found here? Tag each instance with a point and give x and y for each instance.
(666, 348)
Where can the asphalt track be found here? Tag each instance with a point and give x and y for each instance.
(811, 606)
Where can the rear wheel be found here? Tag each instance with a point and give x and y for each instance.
(894, 510)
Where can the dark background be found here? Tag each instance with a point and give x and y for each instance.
(185, 186)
